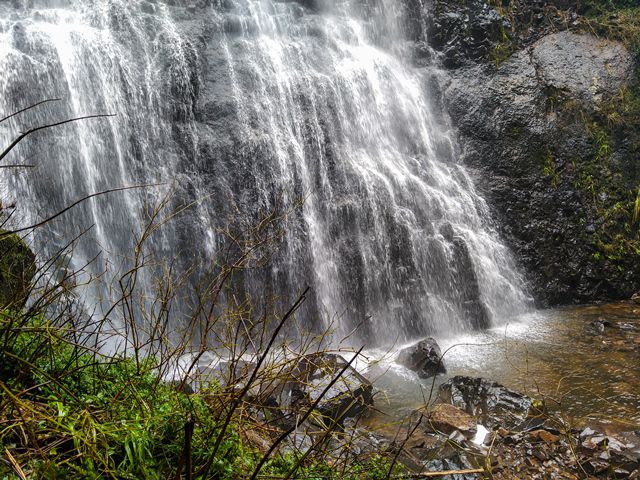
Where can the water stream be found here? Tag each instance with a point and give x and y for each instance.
(586, 374)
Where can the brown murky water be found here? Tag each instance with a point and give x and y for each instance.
(589, 372)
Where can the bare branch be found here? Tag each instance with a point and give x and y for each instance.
(77, 202)
(43, 127)
(29, 108)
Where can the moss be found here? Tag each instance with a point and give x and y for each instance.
(503, 49)
(17, 268)
(549, 166)
(614, 129)
(515, 131)
(610, 175)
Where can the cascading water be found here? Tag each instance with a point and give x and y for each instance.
(246, 105)
(97, 58)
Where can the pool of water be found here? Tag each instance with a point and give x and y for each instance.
(555, 355)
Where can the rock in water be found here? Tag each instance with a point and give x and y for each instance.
(447, 418)
(597, 327)
(17, 268)
(491, 403)
(424, 358)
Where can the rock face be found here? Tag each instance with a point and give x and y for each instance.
(17, 268)
(583, 67)
(489, 402)
(546, 123)
(424, 358)
(463, 30)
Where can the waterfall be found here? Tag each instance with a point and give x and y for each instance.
(247, 105)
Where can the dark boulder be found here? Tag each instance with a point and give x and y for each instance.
(17, 269)
(491, 403)
(424, 358)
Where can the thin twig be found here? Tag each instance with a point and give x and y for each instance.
(241, 395)
(439, 474)
(29, 108)
(288, 432)
(77, 202)
(42, 127)
(470, 471)
(15, 465)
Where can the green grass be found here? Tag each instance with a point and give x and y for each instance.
(610, 175)
(66, 412)
(616, 20)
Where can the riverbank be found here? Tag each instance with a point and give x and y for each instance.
(68, 411)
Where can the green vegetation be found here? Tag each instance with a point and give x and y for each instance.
(503, 49)
(614, 19)
(611, 175)
(613, 183)
(17, 267)
(69, 412)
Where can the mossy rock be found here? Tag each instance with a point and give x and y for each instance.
(17, 269)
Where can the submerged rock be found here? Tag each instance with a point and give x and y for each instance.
(597, 327)
(424, 358)
(201, 369)
(489, 402)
